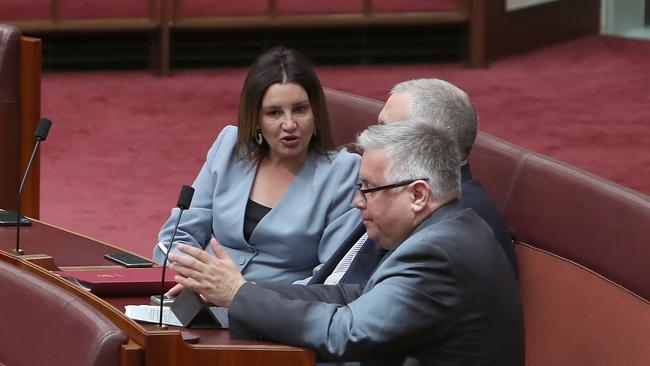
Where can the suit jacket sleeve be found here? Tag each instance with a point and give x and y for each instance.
(410, 299)
(336, 294)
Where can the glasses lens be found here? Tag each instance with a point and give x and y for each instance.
(360, 193)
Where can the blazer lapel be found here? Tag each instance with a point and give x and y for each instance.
(364, 263)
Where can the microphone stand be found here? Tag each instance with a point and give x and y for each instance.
(42, 130)
(184, 201)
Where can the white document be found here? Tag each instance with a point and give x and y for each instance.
(151, 314)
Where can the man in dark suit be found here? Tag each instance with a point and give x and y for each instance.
(444, 294)
(445, 106)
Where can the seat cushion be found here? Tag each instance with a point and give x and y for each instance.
(114, 9)
(24, 10)
(394, 6)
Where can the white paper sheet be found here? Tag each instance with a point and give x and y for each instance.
(151, 314)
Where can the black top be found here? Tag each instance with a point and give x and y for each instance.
(253, 215)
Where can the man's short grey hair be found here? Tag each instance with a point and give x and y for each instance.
(444, 105)
(416, 149)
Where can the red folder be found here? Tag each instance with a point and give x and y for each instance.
(120, 281)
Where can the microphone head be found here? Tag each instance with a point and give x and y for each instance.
(185, 198)
(42, 129)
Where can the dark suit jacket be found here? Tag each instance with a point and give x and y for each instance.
(473, 195)
(364, 263)
(445, 296)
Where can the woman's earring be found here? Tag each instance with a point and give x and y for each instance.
(258, 137)
(314, 135)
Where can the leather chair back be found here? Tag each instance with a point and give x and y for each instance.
(583, 247)
(9, 115)
(43, 324)
(350, 115)
(583, 253)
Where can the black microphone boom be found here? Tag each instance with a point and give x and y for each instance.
(42, 129)
(184, 201)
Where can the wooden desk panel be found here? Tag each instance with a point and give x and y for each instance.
(65, 247)
(216, 347)
(147, 346)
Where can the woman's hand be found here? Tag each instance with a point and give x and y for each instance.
(216, 278)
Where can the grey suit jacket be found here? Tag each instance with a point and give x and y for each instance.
(445, 296)
(472, 195)
(302, 231)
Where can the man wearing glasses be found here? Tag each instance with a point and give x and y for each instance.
(445, 106)
(443, 295)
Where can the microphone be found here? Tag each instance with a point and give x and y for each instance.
(184, 200)
(42, 129)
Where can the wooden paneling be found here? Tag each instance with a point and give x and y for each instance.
(30, 112)
(523, 30)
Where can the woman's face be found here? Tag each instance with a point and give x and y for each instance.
(287, 121)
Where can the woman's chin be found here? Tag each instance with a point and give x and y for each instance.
(290, 152)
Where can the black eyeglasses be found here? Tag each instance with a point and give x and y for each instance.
(403, 183)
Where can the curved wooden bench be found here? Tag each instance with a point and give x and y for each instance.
(582, 242)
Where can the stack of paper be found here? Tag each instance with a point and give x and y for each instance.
(151, 314)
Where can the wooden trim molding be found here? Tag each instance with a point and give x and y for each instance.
(29, 86)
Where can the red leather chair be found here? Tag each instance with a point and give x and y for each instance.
(43, 324)
(9, 115)
(583, 247)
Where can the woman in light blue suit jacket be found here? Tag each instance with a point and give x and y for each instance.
(272, 191)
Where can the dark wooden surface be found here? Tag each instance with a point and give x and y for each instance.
(65, 247)
(526, 29)
(30, 113)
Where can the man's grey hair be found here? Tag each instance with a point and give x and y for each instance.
(416, 150)
(445, 106)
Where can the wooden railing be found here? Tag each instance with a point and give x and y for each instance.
(165, 16)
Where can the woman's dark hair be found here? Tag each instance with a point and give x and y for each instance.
(279, 65)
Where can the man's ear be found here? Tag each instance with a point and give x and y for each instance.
(420, 194)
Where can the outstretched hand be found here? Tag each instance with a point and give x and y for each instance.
(216, 278)
(174, 291)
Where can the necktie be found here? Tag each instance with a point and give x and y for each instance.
(345, 262)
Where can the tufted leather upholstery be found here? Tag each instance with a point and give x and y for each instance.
(9, 117)
(583, 254)
(568, 212)
(350, 114)
(583, 247)
(42, 324)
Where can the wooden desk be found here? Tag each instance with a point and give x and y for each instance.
(146, 346)
(66, 248)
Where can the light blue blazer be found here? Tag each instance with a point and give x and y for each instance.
(301, 232)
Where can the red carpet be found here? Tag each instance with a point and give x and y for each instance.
(123, 143)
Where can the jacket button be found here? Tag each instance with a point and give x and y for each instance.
(242, 260)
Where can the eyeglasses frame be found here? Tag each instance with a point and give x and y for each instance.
(402, 183)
